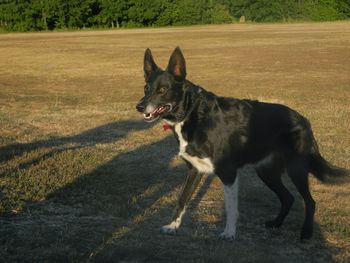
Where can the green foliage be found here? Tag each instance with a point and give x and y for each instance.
(343, 9)
(35, 15)
(285, 10)
(111, 12)
(145, 12)
(217, 14)
(170, 15)
(266, 11)
(322, 10)
(191, 12)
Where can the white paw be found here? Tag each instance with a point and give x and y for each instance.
(168, 229)
(227, 235)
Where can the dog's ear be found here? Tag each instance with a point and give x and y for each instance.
(177, 65)
(149, 66)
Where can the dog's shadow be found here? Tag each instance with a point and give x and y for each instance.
(75, 219)
(106, 133)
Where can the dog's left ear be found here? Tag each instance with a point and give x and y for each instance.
(177, 65)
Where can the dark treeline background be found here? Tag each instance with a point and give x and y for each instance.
(35, 15)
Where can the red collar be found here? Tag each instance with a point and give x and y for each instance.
(166, 127)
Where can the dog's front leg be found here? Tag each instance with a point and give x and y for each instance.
(231, 207)
(192, 181)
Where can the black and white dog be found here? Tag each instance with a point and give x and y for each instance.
(219, 135)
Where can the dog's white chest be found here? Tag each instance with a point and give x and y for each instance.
(203, 165)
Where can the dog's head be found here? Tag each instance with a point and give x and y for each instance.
(164, 88)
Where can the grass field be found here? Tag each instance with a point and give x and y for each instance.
(82, 178)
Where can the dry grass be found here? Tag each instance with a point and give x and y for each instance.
(83, 179)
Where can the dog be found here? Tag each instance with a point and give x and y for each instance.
(219, 135)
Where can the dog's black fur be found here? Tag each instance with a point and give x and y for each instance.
(233, 132)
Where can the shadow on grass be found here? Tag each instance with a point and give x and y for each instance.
(197, 241)
(113, 214)
(48, 148)
(77, 218)
(107, 133)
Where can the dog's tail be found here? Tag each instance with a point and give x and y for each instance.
(322, 169)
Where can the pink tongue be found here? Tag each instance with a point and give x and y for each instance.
(153, 113)
(156, 112)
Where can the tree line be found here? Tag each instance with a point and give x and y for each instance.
(37, 15)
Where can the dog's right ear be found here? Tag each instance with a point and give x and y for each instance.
(177, 65)
(149, 66)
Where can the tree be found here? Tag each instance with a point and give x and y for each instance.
(145, 12)
(170, 15)
(217, 14)
(78, 13)
(73, 13)
(238, 8)
(112, 12)
(11, 15)
(265, 11)
(35, 15)
(191, 12)
(321, 10)
(343, 9)
(43, 14)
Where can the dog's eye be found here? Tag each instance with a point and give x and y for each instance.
(162, 90)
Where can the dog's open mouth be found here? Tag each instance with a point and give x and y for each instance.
(155, 114)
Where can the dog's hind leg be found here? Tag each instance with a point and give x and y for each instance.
(192, 181)
(270, 174)
(298, 172)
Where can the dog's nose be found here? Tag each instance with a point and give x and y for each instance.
(140, 106)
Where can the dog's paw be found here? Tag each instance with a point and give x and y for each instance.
(169, 229)
(306, 233)
(227, 235)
